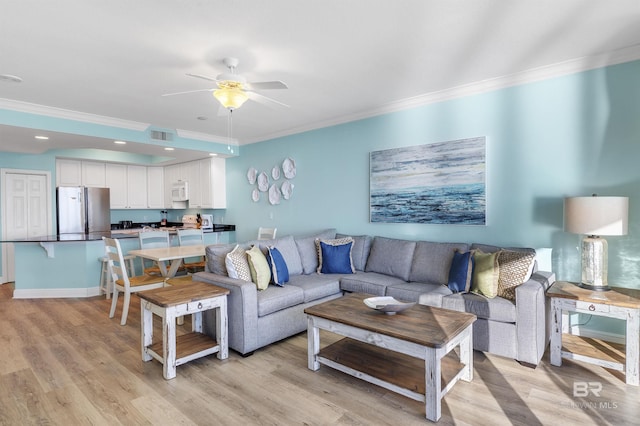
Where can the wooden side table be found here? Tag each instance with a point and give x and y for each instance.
(172, 302)
(620, 303)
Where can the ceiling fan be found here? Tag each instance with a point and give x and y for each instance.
(233, 89)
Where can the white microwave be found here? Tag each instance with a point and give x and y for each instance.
(180, 191)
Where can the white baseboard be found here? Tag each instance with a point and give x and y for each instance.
(602, 335)
(55, 293)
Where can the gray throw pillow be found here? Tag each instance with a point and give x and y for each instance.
(391, 257)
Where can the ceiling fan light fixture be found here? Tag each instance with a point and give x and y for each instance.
(230, 97)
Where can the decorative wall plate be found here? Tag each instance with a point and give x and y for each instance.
(275, 173)
(287, 189)
(289, 168)
(263, 182)
(274, 195)
(251, 175)
(255, 195)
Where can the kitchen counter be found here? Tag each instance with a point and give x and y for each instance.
(67, 265)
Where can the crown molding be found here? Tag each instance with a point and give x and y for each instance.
(66, 114)
(571, 66)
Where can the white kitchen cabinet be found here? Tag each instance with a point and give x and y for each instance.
(128, 186)
(213, 184)
(116, 180)
(194, 177)
(137, 187)
(68, 173)
(155, 188)
(93, 174)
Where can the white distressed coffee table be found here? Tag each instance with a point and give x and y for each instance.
(414, 347)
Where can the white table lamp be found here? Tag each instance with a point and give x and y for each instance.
(594, 217)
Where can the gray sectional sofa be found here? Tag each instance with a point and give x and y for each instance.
(407, 270)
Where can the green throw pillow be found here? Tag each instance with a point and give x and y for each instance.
(486, 273)
(260, 271)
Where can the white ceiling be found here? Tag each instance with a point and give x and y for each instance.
(341, 59)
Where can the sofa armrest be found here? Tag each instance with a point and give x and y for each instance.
(242, 311)
(532, 313)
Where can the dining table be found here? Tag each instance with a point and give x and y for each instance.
(175, 255)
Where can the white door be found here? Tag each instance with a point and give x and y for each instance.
(27, 211)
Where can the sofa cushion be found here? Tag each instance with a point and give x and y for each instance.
(288, 249)
(260, 272)
(309, 252)
(274, 299)
(432, 261)
(496, 309)
(515, 269)
(461, 272)
(237, 264)
(410, 292)
(368, 282)
(316, 286)
(391, 257)
(279, 270)
(360, 250)
(217, 256)
(486, 272)
(334, 256)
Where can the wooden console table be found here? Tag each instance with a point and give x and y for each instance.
(170, 303)
(620, 303)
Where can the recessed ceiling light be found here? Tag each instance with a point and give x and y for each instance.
(213, 154)
(44, 138)
(169, 148)
(8, 78)
(120, 142)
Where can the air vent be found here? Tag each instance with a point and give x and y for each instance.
(158, 135)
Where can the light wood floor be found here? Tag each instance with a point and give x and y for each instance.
(64, 361)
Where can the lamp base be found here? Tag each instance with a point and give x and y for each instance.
(594, 287)
(594, 263)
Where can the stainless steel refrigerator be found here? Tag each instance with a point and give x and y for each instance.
(82, 210)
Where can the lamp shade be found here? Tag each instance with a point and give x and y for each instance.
(596, 215)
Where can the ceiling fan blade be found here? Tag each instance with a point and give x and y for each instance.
(188, 91)
(265, 85)
(204, 77)
(264, 100)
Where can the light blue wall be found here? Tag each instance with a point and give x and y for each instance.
(566, 136)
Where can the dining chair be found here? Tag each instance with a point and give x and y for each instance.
(122, 282)
(153, 239)
(192, 237)
(266, 233)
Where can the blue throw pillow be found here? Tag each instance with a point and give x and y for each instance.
(279, 270)
(461, 272)
(336, 259)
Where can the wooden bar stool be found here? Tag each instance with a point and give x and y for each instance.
(106, 285)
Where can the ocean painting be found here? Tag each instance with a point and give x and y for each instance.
(438, 183)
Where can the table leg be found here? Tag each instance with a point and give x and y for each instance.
(556, 332)
(313, 345)
(466, 354)
(146, 325)
(633, 347)
(221, 329)
(196, 321)
(173, 269)
(169, 343)
(433, 384)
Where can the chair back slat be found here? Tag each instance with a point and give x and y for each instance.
(153, 239)
(190, 237)
(115, 261)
